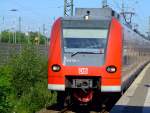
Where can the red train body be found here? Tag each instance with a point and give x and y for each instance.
(68, 69)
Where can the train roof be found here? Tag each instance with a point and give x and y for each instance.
(100, 14)
(94, 14)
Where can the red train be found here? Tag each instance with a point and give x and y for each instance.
(92, 53)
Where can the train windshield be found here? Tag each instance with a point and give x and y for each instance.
(85, 38)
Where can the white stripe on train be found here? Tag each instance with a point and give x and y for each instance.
(103, 88)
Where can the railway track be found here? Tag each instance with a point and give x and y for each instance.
(66, 109)
(57, 109)
(70, 111)
(76, 109)
(101, 106)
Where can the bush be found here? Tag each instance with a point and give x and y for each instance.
(23, 83)
(26, 70)
(29, 80)
(5, 90)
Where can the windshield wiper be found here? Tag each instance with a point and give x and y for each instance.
(73, 54)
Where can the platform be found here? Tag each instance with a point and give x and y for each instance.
(137, 98)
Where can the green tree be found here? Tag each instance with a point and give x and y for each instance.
(5, 36)
(9, 37)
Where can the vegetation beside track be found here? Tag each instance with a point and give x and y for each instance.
(8, 36)
(23, 83)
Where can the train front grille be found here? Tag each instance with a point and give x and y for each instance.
(82, 82)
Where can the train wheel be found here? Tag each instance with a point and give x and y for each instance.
(96, 101)
(68, 98)
(60, 98)
(64, 98)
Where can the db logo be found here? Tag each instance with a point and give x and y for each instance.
(83, 70)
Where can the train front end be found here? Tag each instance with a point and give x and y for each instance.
(84, 58)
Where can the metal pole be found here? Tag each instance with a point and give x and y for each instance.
(149, 28)
(122, 6)
(15, 37)
(65, 3)
(13, 30)
(19, 24)
(68, 7)
(71, 7)
(28, 38)
(44, 29)
(27, 33)
(0, 31)
(14, 23)
(19, 31)
(14, 10)
(104, 3)
(9, 36)
(3, 24)
(0, 35)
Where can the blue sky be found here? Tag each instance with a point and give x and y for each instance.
(35, 13)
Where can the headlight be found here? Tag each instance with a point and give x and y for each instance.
(111, 69)
(56, 68)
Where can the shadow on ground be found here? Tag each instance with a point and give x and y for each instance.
(130, 109)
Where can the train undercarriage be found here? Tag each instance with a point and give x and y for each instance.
(83, 91)
(91, 99)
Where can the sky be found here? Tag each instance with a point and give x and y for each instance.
(35, 13)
